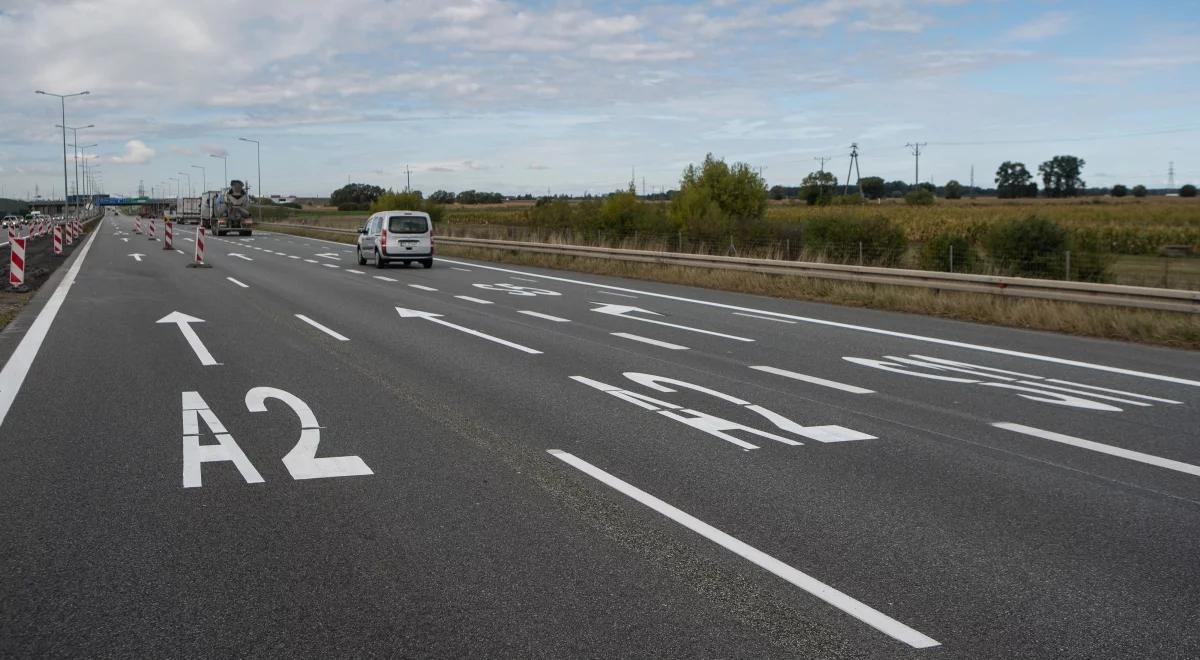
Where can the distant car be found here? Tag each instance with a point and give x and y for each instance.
(10, 221)
(404, 236)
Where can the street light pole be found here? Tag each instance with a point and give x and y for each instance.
(63, 99)
(225, 160)
(189, 178)
(86, 185)
(203, 178)
(258, 164)
(75, 145)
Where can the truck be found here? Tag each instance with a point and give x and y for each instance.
(189, 211)
(227, 211)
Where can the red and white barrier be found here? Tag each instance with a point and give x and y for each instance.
(58, 240)
(150, 234)
(137, 225)
(199, 245)
(168, 235)
(69, 234)
(16, 264)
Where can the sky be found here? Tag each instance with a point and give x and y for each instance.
(575, 97)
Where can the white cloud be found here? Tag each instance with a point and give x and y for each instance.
(136, 153)
(1042, 27)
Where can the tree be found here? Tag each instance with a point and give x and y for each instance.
(407, 201)
(1188, 190)
(1119, 190)
(1030, 247)
(1060, 176)
(817, 188)
(1013, 180)
(919, 197)
(355, 193)
(716, 199)
(442, 197)
(1139, 190)
(896, 188)
(954, 189)
(872, 187)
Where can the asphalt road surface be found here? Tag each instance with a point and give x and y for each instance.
(290, 454)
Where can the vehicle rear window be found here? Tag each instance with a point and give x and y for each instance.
(407, 224)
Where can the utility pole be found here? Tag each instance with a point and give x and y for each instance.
(822, 160)
(916, 152)
(1171, 174)
(407, 179)
(203, 178)
(972, 180)
(853, 168)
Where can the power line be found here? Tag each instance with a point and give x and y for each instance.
(822, 160)
(1111, 136)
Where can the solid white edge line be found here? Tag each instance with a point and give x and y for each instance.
(647, 340)
(1128, 454)
(556, 319)
(851, 326)
(853, 389)
(764, 318)
(855, 608)
(318, 326)
(244, 286)
(474, 300)
(17, 367)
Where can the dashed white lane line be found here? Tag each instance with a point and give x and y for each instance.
(322, 328)
(465, 270)
(311, 261)
(356, 272)
(1148, 459)
(556, 319)
(422, 287)
(292, 256)
(385, 279)
(179, 251)
(474, 300)
(765, 318)
(855, 608)
(853, 389)
(244, 286)
(647, 340)
(331, 265)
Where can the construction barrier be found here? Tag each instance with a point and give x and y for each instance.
(137, 225)
(16, 264)
(69, 234)
(150, 235)
(168, 235)
(198, 261)
(58, 240)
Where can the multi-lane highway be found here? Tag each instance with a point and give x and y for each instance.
(291, 454)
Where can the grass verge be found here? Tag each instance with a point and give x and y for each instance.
(1175, 329)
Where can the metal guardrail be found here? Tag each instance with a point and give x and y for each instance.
(1175, 300)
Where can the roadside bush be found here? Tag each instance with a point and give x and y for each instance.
(1119, 190)
(717, 200)
(353, 206)
(919, 197)
(1188, 190)
(1139, 190)
(1091, 260)
(839, 239)
(1030, 247)
(948, 252)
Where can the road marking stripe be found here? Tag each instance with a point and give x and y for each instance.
(855, 608)
(244, 286)
(385, 279)
(522, 279)
(356, 272)
(465, 270)
(179, 251)
(860, 328)
(292, 256)
(474, 300)
(1091, 395)
(12, 376)
(311, 261)
(647, 340)
(1138, 456)
(556, 319)
(331, 265)
(619, 295)
(853, 389)
(764, 318)
(322, 328)
(422, 287)
(1105, 389)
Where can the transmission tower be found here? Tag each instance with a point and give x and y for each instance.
(1171, 174)
(853, 168)
(916, 152)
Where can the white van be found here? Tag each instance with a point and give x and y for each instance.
(405, 236)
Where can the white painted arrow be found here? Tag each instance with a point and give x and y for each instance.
(125, 239)
(137, 256)
(328, 255)
(623, 311)
(429, 316)
(240, 256)
(183, 320)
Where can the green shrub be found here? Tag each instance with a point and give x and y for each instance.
(854, 199)
(949, 252)
(839, 239)
(919, 197)
(1030, 247)
(1187, 190)
(407, 201)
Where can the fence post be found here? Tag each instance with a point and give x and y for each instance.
(951, 258)
(1068, 278)
(860, 260)
(787, 249)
